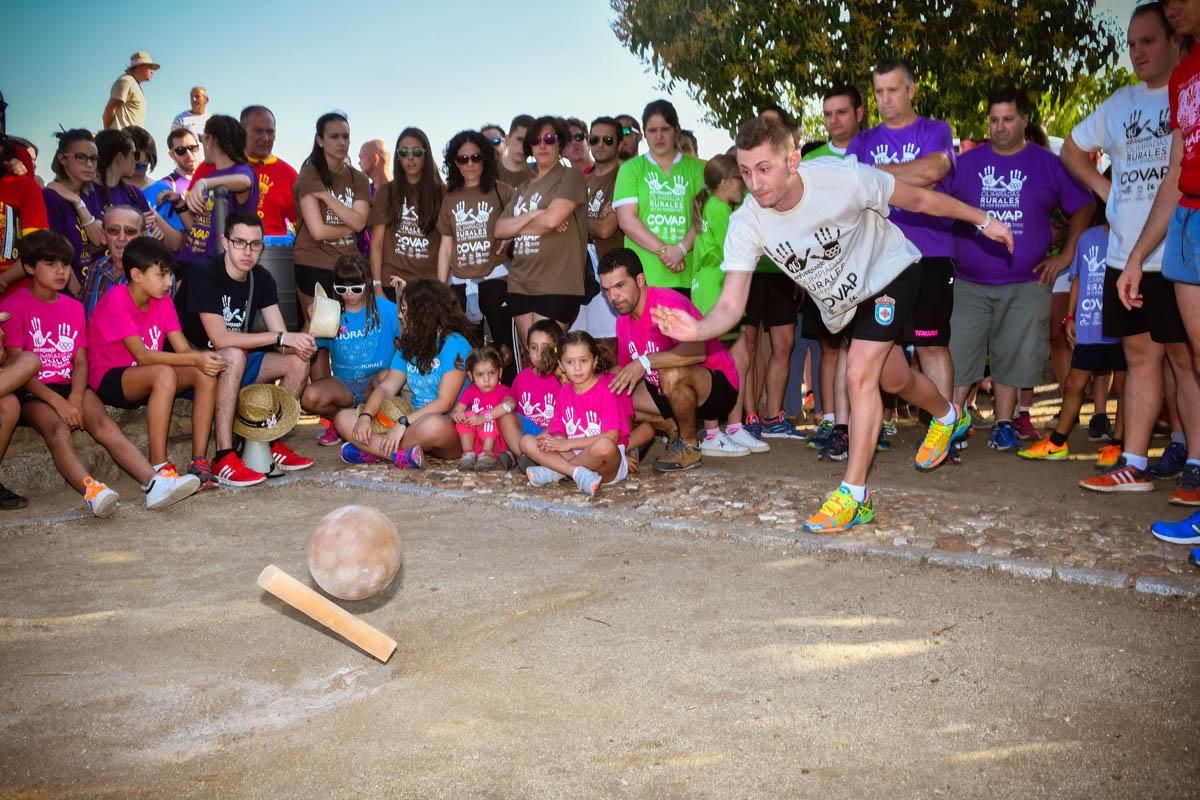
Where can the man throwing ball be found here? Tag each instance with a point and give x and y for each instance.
(825, 224)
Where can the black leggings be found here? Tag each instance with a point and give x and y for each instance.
(492, 296)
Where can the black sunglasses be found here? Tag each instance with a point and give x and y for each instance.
(495, 140)
(474, 158)
(186, 148)
(548, 138)
(608, 140)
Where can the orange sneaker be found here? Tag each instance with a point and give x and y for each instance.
(1109, 455)
(101, 500)
(1045, 450)
(1122, 478)
(1188, 491)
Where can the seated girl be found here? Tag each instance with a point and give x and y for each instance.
(478, 413)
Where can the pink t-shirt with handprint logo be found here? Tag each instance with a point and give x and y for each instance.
(52, 331)
(536, 396)
(115, 318)
(591, 413)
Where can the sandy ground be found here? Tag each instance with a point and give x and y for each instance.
(543, 658)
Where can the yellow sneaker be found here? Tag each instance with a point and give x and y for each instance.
(840, 512)
(1109, 455)
(1045, 450)
(937, 442)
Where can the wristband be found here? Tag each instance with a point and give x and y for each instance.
(644, 360)
(377, 283)
(981, 227)
(279, 339)
(682, 248)
(365, 414)
(1068, 318)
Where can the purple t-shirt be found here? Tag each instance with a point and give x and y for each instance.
(65, 220)
(200, 240)
(1091, 257)
(123, 194)
(1021, 190)
(924, 137)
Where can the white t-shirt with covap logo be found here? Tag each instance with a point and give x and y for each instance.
(837, 243)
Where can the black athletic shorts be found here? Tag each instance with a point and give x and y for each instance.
(717, 405)
(1098, 358)
(889, 315)
(563, 308)
(307, 279)
(772, 300)
(112, 394)
(812, 325)
(934, 303)
(1159, 315)
(63, 390)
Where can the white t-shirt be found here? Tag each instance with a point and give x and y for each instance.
(836, 243)
(190, 121)
(1134, 128)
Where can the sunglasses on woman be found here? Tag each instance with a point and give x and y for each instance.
(548, 138)
(355, 289)
(415, 152)
(474, 158)
(608, 140)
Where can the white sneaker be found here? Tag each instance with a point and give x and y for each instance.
(743, 438)
(543, 476)
(721, 446)
(168, 487)
(99, 498)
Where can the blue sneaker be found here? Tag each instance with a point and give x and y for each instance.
(352, 455)
(1004, 437)
(821, 435)
(1194, 558)
(780, 428)
(755, 426)
(1186, 531)
(882, 445)
(1171, 462)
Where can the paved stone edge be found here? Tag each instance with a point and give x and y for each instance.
(1181, 586)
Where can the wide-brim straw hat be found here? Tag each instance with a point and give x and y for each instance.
(265, 412)
(326, 315)
(390, 410)
(142, 58)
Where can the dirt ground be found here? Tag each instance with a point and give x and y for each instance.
(544, 658)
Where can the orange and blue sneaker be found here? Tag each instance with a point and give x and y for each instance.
(1110, 455)
(1045, 450)
(938, 439)
(1188, 491)
(840, 512)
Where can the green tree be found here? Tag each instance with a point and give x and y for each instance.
(734, 57)
(1058, 115)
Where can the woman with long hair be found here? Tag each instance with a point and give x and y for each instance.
(403, 218)
(653, 199)
(470, 252)
(547, 222)
(332, 203)
(73, 206)
(431, 360)
(115, 171)
(224, 167)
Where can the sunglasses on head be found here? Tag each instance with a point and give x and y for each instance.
(357, 288)
(415, 152)
(474, 158)
(608, 140)
(630, 132)
(495, 140)
(548, 138)
(185, 148)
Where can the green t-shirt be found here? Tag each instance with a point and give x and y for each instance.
(707, 277)
(664, 205)
(825, 151)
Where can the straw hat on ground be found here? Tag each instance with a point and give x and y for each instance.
(390, 410)
(265, 412)
(326, 315)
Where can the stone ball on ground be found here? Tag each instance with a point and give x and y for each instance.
(355, 552)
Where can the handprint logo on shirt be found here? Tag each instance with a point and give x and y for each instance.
(593, 424)
(883, 155)
(36, 333)
(574, 429)
(548, 403)
(909, 153)
(785, 256)
(66, 338)
(1093, 261)
(1133, 126)
(828, 239)
(460, 212)
(1163, 128)
(1016, 180)
(155, 337)
(988, 178)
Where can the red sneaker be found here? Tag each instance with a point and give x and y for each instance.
(232, 471)
(287, 460)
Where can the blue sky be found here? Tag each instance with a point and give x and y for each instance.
(441, 66)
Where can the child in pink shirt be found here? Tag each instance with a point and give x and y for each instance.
(535, 388)
(587, 438)
(479, 410)
(126, 333)
(57, 400)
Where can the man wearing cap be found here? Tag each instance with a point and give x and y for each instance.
(194, 118)
(126, 103)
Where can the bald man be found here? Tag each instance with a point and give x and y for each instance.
(374, 159)
(194, 118)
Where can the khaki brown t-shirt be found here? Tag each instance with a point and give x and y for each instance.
(348, 186)
(407, 251)
(550, 263)
(600, 193)
(468, 223)
(514, 178)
